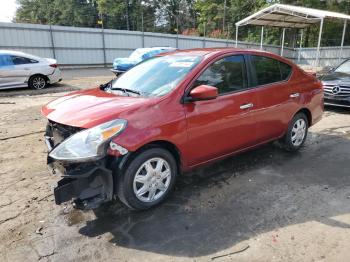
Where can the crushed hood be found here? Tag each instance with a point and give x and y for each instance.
(91, 107)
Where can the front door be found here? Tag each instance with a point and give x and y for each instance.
(226, 124)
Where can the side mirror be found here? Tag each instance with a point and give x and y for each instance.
(202, 92)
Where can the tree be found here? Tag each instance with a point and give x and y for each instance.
(58, 12)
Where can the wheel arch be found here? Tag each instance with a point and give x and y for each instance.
(306, 112)
(171, 147)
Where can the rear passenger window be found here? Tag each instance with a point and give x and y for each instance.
(18, 60)
(286, 70)
(269, 70)
(227, 75)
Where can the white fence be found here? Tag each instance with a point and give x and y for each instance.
(91, 47)
(329, 56)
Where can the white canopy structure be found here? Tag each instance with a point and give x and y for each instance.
(288, 16)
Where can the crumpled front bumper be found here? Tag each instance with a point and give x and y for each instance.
(88, 184)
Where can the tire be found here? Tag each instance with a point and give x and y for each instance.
(37, 82)
(142, 175)
(296, 134)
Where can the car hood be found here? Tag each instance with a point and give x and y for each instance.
(91, 107)
(336, 78)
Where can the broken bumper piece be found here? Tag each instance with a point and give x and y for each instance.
(88, 184)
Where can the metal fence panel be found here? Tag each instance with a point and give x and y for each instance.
(91, 46)
(188, 42)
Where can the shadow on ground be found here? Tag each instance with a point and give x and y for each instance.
(218, 206)
(337, 109)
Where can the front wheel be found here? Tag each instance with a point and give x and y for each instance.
(148, 179)
(296, 133)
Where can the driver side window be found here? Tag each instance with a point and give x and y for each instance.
(227, 75)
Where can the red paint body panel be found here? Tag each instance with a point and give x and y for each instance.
(202, 131)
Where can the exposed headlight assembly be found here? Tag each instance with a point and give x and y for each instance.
(90, 143)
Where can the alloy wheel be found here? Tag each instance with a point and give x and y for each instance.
(39, 82)
(152, 179)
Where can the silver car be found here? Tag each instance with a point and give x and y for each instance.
(18, 69)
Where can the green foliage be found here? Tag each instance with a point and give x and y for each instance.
(212, 18)
(59, 12)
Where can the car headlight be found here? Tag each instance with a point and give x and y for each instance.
(89, 143)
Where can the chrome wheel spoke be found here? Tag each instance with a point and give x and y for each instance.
(143, 190)
(152, 193)
(161, 186)
(165, 174)
(148, 167)
(159, 166)
(141, 178)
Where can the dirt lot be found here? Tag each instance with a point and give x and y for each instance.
(264, 205)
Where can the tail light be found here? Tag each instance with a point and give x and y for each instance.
(54, 65)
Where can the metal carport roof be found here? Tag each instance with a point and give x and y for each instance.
(288, 16)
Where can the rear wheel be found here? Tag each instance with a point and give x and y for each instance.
(37, 82)
(297, 133)
(148, 179)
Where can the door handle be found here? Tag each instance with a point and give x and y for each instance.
(294, 95)
(246, 106)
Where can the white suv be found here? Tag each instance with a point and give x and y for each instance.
(18, 69)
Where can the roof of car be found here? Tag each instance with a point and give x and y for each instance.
(209, 51)
(11, 52)
(18, 53)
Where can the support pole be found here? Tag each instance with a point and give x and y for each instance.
(282, 47)
(52, 42)
(301, 44)
(204, 35)
(143, 29)
(342, 42)
(228, 33)
(237, 35)
(319, 44)
(177, 30)
(104, 47)
(262, 38)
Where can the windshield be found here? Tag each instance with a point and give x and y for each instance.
(344, 68)
(156, 76)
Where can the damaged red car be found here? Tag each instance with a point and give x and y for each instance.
(131, 138)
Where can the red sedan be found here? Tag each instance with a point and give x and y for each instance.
(132, 137)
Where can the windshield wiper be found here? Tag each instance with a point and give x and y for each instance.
(125, 90)
(106, 85)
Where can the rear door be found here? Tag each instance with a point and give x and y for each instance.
(7, 67)
(226, 124)
(275, 104)
(23, 68)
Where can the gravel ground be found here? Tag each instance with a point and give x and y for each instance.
(263, 205)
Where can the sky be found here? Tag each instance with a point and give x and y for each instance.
(7, 10)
